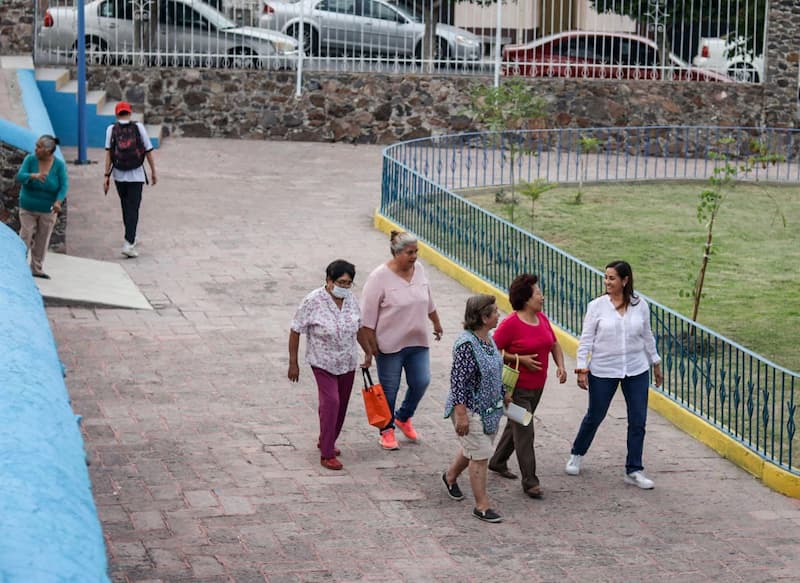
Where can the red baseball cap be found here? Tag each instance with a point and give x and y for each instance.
(122, 107)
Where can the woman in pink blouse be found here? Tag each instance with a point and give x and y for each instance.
(616, 348)
(330, 318)
(396, 307)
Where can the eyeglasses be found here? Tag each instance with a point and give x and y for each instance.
(344, 282)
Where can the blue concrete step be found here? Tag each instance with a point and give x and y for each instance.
(60, 95)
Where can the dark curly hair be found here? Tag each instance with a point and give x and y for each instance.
(521, 290)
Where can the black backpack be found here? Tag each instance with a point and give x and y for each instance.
(127, 147)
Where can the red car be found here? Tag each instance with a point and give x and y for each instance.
(598, 55)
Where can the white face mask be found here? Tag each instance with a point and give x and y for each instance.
(340, 292)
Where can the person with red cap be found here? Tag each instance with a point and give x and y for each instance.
(127, 147)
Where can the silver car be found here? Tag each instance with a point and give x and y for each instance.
(373, 27)
(185, 32)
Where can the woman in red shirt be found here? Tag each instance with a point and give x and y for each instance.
(526, 333)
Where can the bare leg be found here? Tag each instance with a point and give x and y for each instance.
(477, 479)
(459, 464)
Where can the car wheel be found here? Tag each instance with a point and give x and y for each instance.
(311, 45)
(442, 52)
(96, 51)
(742, 73)
(241, 58)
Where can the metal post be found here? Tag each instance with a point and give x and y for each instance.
(298, 91)
(82, 141)
(498, 42)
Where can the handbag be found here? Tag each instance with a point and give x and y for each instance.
(378, 413)
(510, 374)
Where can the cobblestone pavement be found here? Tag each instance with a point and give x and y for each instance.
(203, 456)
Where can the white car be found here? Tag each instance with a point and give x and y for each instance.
(371, 27)
(730, 57)
(187, 32)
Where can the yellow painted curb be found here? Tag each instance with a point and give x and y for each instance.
(771, 475)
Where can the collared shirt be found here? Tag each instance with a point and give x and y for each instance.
(397, 309)
(330, 331)
(615, 345)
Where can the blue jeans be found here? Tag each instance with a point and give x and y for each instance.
(415, 361)
(601, 391)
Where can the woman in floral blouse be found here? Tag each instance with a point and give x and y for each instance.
(475, 402)
(330, 318)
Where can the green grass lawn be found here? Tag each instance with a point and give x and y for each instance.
(752, 286)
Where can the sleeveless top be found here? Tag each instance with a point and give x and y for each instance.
(487, 396)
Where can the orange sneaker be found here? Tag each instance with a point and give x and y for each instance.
(407, 429)
(388, 440)
(331, 463)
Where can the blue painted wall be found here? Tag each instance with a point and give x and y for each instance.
(63, 108)
(38, 119)
(49, 529)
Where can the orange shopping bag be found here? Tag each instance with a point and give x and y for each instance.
(375, 403)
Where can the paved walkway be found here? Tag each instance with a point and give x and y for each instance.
(203, 455)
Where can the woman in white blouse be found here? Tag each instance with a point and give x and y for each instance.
(330, 318)
(616, 348)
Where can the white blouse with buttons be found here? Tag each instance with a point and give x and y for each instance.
(617, 345)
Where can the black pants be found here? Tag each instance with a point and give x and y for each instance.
(130, 196)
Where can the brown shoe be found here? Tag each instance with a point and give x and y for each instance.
(535, 492)
(331, 463)
(505, 472)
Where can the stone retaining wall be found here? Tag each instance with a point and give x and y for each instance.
(383, 109)
(16, 27)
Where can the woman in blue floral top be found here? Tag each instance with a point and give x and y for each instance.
(475, 402)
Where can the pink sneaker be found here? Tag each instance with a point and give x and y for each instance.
(388, 440)
(407, 429)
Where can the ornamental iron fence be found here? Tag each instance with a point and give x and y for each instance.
(741, 393)
(604, 39)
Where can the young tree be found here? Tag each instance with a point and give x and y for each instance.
(511, 106)
(532, 191)
(721, 183)
(587, 145)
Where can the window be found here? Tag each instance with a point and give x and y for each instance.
(338, 6)
(181, 15)
(121, 9)
(381, 12)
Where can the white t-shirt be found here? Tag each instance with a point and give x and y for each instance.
(137, 174)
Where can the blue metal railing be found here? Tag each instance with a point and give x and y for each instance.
(741, 393)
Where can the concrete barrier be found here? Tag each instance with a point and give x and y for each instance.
(49, 529)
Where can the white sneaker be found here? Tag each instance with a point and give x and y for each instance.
(128, 250)
(640, 480)
(574, 465)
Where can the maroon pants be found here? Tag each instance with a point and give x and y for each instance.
(334, 397)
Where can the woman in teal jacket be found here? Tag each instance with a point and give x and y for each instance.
(44, 188)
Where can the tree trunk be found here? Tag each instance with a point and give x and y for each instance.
(698, 290)
(431, 18)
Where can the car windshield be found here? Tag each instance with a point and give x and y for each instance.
(215, 17)
(406, 11)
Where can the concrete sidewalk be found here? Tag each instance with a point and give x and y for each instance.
(203, 456)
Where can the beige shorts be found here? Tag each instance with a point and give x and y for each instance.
(475, 445)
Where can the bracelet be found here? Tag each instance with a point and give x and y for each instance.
(581, 371)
